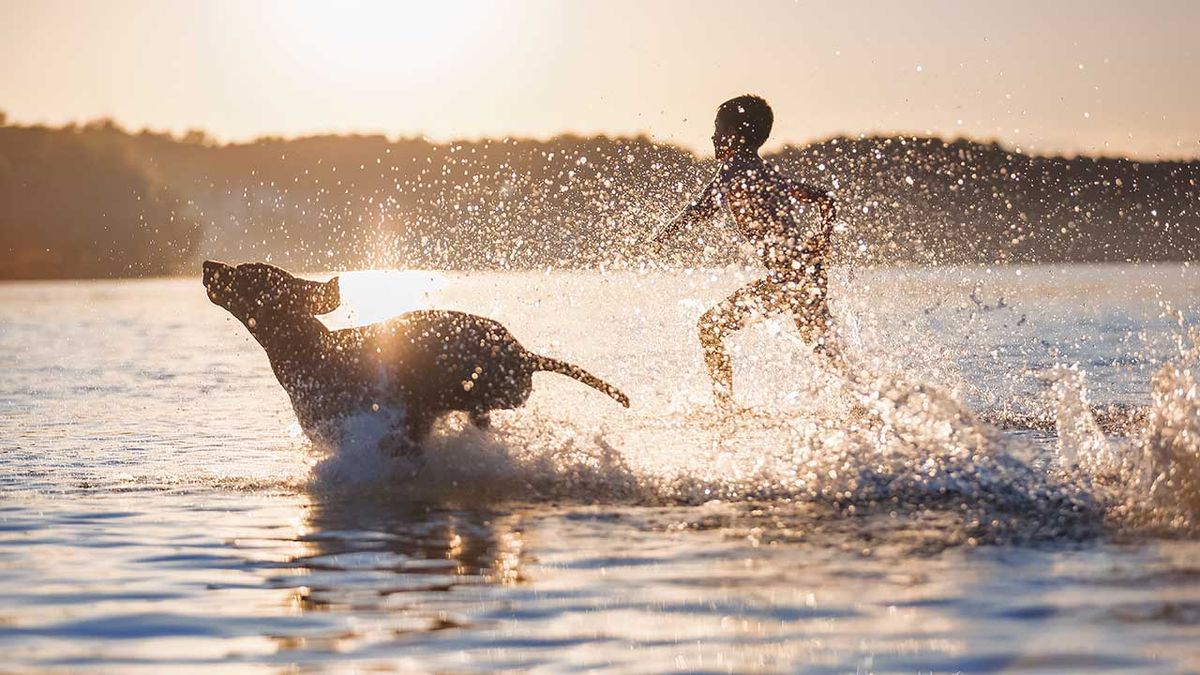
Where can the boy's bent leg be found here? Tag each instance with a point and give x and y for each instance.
(731, 315)
(810, 310)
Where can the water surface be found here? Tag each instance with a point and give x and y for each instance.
(999, 486)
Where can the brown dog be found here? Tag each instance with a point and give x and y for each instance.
(423, 363)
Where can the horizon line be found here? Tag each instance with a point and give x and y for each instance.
(210, 139)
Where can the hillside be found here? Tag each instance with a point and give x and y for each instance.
(98, 201)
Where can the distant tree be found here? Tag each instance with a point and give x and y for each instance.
(102, 124)
(80, 205)
(196, 137)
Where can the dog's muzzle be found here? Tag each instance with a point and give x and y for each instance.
(215, 276)
(212, 271)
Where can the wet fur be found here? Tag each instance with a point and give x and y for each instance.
(426, 363)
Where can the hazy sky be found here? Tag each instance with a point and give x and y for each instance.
(1097, 76)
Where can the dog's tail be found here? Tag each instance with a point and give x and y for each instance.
(573, 371)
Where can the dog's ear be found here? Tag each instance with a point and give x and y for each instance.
(323, 298)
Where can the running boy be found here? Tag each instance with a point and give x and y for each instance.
(764, 204)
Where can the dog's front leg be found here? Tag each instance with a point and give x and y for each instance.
(405, 439)
(418, 422)
(482, 419)
(400, 444)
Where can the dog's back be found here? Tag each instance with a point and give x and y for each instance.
(449, 359)
(459, 361)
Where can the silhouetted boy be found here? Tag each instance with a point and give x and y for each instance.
(764, 204)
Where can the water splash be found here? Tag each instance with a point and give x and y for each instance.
(1081, 440)
(1150, 477)
(896, 447)
(1169, 447)
(932, 428)
(461, 464)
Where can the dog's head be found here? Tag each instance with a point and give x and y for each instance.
(255, 291)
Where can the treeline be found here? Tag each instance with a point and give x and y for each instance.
(96, 200)
(85, 203)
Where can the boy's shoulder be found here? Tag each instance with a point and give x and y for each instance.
(754, 169)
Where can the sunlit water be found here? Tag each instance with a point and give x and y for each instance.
(1008, 479)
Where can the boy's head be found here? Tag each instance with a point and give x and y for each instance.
(744, 121)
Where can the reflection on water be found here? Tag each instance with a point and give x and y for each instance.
(389, 562)
(156, 514)
(208, 579)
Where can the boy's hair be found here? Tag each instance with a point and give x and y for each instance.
(747, 116)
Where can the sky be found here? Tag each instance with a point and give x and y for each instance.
(1095, 77)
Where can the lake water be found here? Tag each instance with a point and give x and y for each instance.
(1008, 480)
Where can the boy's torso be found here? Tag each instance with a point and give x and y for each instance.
(761, 202)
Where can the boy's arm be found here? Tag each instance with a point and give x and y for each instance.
(703, 207)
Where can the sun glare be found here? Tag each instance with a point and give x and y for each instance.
(362, 42)
(369, 296)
